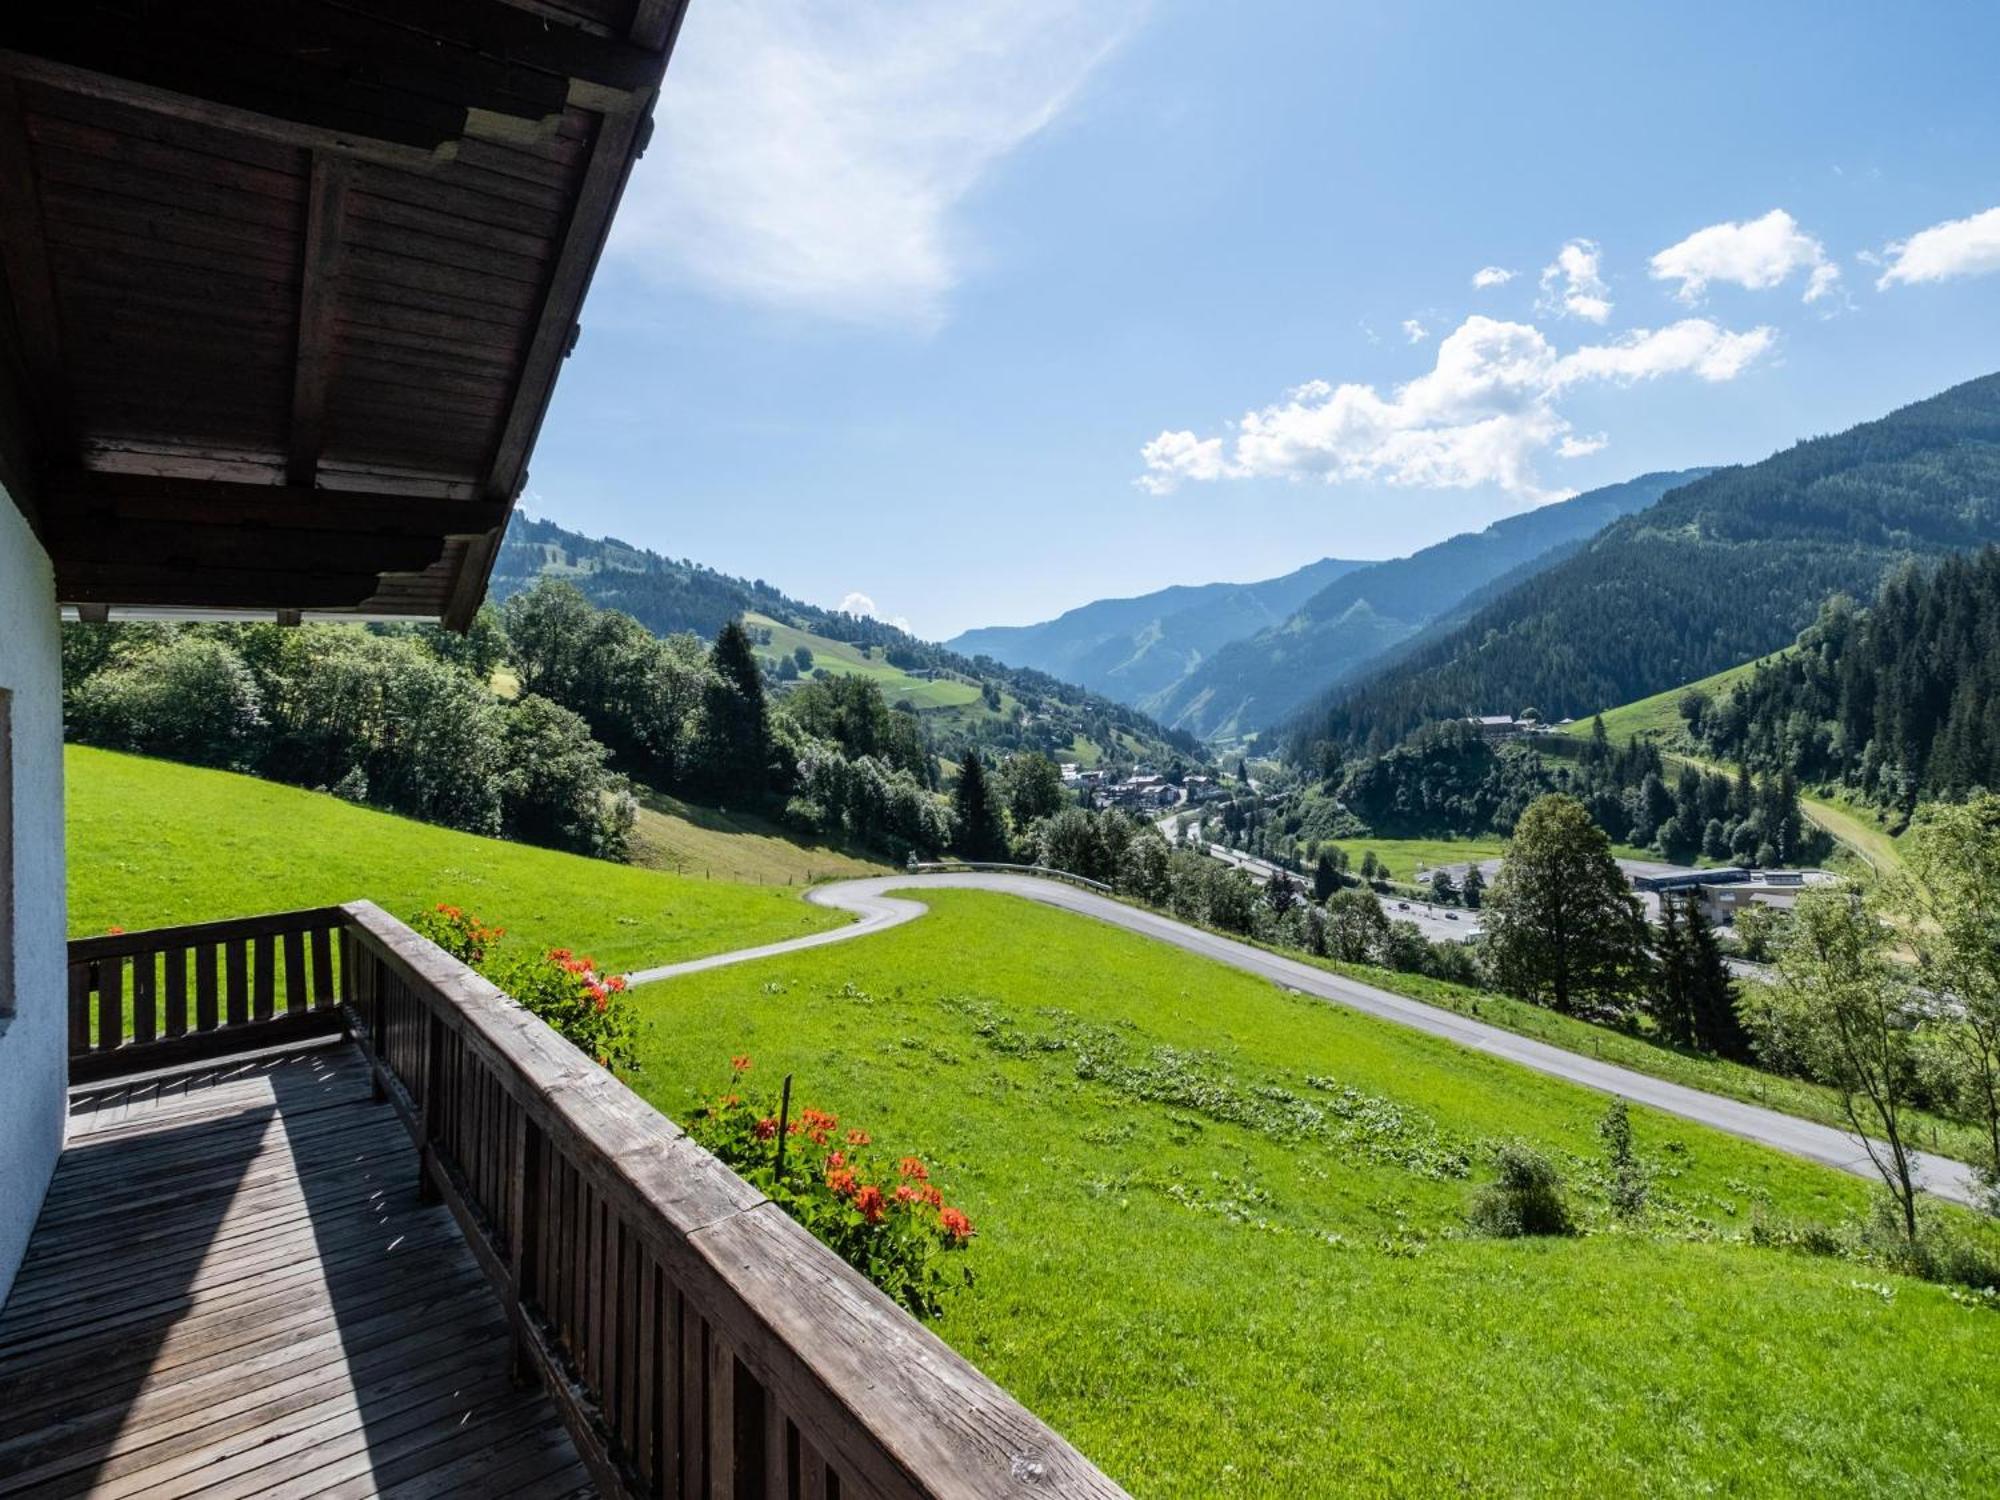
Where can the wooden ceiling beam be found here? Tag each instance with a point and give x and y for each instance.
(114, 499)
(24, 255)
(312, 365)
(142, 585)
(79, 542)
(349, 137)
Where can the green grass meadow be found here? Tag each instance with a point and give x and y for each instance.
(846, 659)
(154, 844)
(1660, 714)
(1643, 1054)
(1220, 1241)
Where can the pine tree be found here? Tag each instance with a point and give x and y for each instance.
(1326, 879)
(977, 831)
(1672, 1001)
(1711, 991)
(738, 726)
(1281, 894)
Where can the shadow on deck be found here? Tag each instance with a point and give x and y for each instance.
(233, 1290)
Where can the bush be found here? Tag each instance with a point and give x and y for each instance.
(1526, 1198)
(1938, 1253)
(189, 699)
(890, 1224)
(554, 788)
(460, 934)
(1630, 1178)
(588, 1008)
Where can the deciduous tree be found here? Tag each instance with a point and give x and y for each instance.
(1850, 1013)
(1948, 900)
(1563, 927)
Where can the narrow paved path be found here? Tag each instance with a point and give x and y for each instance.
(872, 902)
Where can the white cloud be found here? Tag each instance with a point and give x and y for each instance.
(1482, 415)
(1571, 286)
(1957, 247)
(1490, 276)
(1414, 331)
(854, 602)
(1693, 346)
(812, 157)
(1757, 254)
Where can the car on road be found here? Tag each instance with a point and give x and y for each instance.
(1451, 916)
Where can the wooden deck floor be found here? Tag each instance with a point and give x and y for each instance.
(233, 1290)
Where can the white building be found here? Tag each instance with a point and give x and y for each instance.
(34, 1037)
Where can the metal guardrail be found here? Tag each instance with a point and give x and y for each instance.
(985, 866)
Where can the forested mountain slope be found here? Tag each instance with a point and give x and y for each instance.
(1338, 632)
(1729, 567)
(1023, 708)
(1130, 649)
(1896, 703)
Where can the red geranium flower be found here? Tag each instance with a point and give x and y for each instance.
(956, 1224)
(869, 1201)
(766, 1128)
(740, 1063)
(914, 1169)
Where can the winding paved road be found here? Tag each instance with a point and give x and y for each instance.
(878, 910)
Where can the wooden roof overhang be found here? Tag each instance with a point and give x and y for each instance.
(285, 285)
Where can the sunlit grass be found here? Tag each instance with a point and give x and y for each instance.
(154, 844)
(1212, 1301)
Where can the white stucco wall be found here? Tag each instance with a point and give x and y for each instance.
(34, 1041)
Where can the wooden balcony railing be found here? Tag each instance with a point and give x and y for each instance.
(148, 999)
(699, 1342)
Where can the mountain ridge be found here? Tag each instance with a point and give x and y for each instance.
(1135, 646)
(1717, 571)
(1255, 682)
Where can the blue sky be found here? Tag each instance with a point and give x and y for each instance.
(982, 310)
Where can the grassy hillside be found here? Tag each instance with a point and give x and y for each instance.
(1660, 715)
(1860, 829)
(156, 844)
(1035, 711)
(1220, 1235)
(774, 640)
(685, 838)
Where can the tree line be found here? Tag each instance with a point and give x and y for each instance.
(1898, 703)
(670, 597)
(1449, 780)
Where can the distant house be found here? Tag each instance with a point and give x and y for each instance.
(1496, 726)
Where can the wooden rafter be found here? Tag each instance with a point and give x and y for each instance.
(120, 499)
(318, 271)
(24, 255)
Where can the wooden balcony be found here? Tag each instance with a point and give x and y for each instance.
(246, 1282)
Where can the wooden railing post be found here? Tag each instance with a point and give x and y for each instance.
(525, 1233)
(431, 1103)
